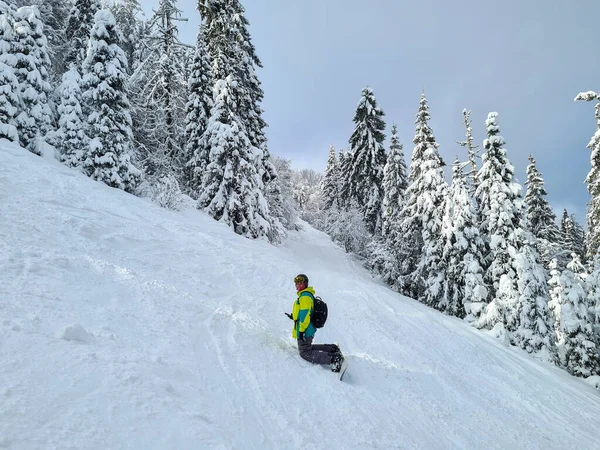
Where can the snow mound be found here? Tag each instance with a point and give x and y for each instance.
(76, 332)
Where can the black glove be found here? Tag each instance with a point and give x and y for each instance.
(301, 336)
(289, 315)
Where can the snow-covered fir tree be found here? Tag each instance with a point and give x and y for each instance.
(31, 63)
(572, 236)
(395, 182)
(593, 181)
(307, 196)
(472, 152)
(534, 332)
(541, 220)
(330, 185)
(79, 26)
(409, 245)
(9, 85)
(577, 345)
(368, 159)
(501, 207)
(382, 258)
(106, 108)
(198, 109)
(540, 217)
(465, 294)
(233, 184)
(70, 138)
(158, 89)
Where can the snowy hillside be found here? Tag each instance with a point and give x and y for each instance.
(127, 326)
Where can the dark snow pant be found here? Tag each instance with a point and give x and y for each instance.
(318, 353)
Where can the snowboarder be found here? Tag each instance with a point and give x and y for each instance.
(304, 331)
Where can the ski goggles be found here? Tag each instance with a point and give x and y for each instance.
(299, 279)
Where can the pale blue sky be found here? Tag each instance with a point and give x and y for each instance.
(524, 59)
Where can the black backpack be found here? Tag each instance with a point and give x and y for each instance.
(319, 313)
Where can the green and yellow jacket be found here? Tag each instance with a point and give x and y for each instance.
(301, 312)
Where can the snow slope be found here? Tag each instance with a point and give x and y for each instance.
(127, 326)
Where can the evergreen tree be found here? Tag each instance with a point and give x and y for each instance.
(70, 138)
(9, 85)
(79, 26)
(329, 187)
(409, 244)
(32, 62)
(572, 235)
(198, 110)
(577, 345)
(501, 206)
(159, 93)
(238, 166)
(465, 294)
(534, 332)
(106, 107)
(472, 152)
(541, 220)
(368, 160)
(395, 182)
(593, 181)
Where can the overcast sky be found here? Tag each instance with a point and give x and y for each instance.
(527, 60)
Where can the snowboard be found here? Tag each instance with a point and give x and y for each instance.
(343, 370)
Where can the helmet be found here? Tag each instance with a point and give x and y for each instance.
(301, 278)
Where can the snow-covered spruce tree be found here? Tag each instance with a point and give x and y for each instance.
(577, 345)
(408, 245)
(106, 108)
(9, 85)
(382, 258)
(330, 184)
(472, 153)
(79, 26)
(465, 294)
(540, 218)
(501, 207)
(30, 49)
(395, 182)
(198, 109)
(534, 332)
(232, 190)
(234, 180)
(572, 236)
(593, 181)
(70, 138)
(158, 90)
(368, 160)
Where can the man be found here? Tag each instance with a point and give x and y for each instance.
(305, 331)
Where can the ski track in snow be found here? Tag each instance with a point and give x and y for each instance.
(126, 326)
